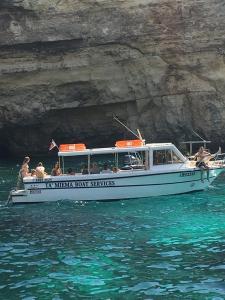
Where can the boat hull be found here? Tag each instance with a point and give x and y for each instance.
(105, 187)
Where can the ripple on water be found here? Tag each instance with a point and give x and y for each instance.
(30, 283)
(78, 279)
(167, 247)
(170, 253)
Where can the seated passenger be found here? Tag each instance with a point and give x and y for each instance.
(33, 173)
(203, 158)
(94, 169)
(158, 157)
(40, 170)
(70, 172)
(115, 169)
(106, 169)
(84, 170)
(56, 171)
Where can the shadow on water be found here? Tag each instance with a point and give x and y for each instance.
(171, 247)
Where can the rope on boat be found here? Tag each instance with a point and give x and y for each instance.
(9, 200)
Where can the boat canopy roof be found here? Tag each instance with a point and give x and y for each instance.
(102, 151)
(80, 149)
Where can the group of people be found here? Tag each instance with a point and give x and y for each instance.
(39, 171)
(94, 169)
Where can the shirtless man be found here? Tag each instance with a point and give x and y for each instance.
(201, 156)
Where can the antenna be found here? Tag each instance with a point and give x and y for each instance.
(203, 140)
(198, 135)
(137, 136)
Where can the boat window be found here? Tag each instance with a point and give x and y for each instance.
(131, 160)
(105, 163)
(165, 156)
(94, 164)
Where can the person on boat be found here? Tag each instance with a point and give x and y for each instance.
(56, 171)
(70, 172)
(84, 170)
(158, 158)
(33, 173)
(106, 169)
(24, 171)
(94, 169)
(201, 156)
(115, 169)
(40, 170)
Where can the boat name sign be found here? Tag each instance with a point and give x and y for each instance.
(189, 173)
(80, 184)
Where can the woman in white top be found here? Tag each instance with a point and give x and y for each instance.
(40, 170)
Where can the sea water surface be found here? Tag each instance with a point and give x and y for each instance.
(156, 248)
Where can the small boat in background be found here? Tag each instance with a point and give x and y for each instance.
(139, 170)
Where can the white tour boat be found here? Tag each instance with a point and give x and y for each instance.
(148, 170)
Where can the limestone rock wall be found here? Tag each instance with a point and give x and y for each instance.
(67, 66)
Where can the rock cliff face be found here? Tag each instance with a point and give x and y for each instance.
(66, 66)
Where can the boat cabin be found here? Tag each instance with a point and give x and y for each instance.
(129, 155)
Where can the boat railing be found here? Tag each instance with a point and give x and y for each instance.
(218, 160)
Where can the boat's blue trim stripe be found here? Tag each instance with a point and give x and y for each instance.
(115, 186)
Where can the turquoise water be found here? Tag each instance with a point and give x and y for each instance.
(157, 248)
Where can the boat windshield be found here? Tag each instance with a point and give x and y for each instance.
(165, 156)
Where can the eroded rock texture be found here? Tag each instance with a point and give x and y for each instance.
(66, 66)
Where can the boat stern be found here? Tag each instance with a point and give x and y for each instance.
(18, 196)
